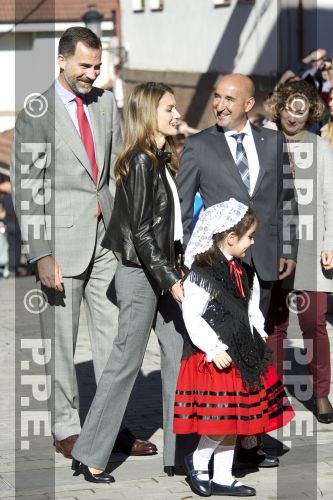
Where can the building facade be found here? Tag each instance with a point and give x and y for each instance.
(188, 43)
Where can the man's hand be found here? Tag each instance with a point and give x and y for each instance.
(315, 56)
(286, 267)
(222, 360)
(327, 259)
(49, 273)
(178, 291)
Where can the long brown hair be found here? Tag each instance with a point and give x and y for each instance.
(140, 127)
(208, 257)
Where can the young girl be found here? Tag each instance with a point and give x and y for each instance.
(226, 386)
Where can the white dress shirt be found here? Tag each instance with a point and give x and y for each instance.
(178, 232)
(195, 303)
(250, 149)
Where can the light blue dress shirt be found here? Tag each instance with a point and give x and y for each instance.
(68, 98)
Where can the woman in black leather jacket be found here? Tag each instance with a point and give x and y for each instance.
(144, 230)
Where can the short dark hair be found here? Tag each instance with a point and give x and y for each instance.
(71, 37)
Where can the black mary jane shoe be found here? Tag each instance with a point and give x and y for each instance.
(256, 457)
(169, 470)
(199, 486)
(102, 477)
(232, 490)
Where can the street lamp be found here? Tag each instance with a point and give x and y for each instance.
(93, 20)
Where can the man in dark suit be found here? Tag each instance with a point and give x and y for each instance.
(236, 159)
(62, 171)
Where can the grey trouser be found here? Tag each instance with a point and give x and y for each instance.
(138, 299)
(60, 321)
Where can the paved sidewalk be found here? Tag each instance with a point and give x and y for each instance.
(142, 477)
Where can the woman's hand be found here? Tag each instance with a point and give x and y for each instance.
(178, 291)
(327, 259)
(222, 360)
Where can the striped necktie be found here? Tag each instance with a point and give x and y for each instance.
(241, 160)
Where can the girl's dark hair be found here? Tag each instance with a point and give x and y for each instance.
(208, 257)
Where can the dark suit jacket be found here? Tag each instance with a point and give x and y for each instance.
(207, 166)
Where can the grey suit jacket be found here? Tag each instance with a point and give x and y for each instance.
(207, 166)
(56, 198)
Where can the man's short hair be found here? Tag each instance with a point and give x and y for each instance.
(71, 37)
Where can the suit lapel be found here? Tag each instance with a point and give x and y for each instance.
(260, 143)
(66, 129)
(97, 117)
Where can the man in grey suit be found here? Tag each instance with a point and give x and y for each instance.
(62, 167)
(236, 159)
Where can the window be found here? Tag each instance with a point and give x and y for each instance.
(219, 3)
(156, 4)
(138, 5)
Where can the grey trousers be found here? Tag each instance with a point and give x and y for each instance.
(60, 322)
(138, 300)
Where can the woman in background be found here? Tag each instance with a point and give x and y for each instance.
(296, 106)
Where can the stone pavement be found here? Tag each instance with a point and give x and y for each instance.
(306, 469)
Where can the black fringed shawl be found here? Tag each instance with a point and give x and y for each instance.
(227, 314)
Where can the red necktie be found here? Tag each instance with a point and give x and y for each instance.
(87, 139)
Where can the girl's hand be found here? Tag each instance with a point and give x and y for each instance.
(177, 291)
(222, 360)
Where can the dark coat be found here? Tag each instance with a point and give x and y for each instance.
(207, 166)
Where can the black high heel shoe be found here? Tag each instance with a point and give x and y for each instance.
(102, 477)
(325, 417)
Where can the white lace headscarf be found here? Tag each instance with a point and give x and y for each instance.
(213, 220)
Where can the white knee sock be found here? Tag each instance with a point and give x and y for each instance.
(223, 459)
(202, 455)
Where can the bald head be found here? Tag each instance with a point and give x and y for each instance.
(239, 81)
(233, 99)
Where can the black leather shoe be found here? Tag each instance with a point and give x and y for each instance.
(232, 490)
(169, 470)
(102, 477)
(256, 457)
(199, 486)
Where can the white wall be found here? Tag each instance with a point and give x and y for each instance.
(193, 36)
(187, 34)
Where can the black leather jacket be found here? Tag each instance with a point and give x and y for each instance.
(141, 228)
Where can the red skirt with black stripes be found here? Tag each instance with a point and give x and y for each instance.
(213, 401)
